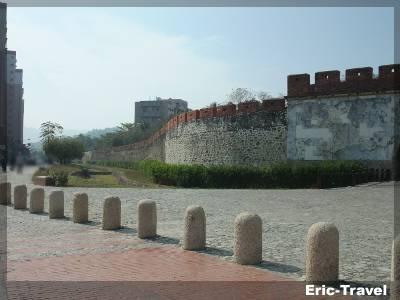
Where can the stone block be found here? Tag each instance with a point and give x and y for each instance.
(322, 257)
(147, 219)
(20, 196)
(36, 203)
(80, 210)
(5, 193)
(248, 239)
(112, 213)
(56, 205)
(194, 235)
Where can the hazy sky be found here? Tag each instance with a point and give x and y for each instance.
(85, 67)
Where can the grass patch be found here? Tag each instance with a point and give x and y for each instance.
(106, 181)
(119, 178)
(137, 176)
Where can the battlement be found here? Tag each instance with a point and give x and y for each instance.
(357, 80)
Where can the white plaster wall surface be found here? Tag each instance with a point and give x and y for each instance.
(359, 127)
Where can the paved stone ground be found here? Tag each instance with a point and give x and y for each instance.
(56, 259)
(364, 216)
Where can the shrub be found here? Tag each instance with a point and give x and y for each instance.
(59, 178)
(279, 175)
(84, 172)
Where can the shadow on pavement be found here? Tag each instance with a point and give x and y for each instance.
(278, 267)
(92, 223)
(166, 240)
(217, 252)
(127, 230)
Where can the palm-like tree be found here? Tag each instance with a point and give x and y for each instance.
(126, 127)
(49, 130)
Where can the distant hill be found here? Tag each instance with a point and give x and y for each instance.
(33, 134)
(95, 133)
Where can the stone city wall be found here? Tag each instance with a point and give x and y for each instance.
(331, 119)
(245, 139)
(250, 133)
(134, 152)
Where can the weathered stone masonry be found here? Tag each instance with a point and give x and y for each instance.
(135, 152)
(251, 133)
(250, 139)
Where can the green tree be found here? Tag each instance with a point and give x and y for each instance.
(64, 150)
(127, 133)
(88, 142)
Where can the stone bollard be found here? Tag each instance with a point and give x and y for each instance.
(20, 196)
(112, 213)
(322, 258)
(194, 236)
(36, 204)
(147, 219)
(248, 239)
(80, 211)
(5, 193)
(395, 274)
(56, 205)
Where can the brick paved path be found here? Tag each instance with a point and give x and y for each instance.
(161, 291)
(148, 273)
(147, 264)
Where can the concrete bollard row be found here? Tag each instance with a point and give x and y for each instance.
(20, 196)
(112, 213)
(80, 210)
(5, 193)
(248, 239)
(147, 219)
(322, 258)
(36, 203)
(194, 235)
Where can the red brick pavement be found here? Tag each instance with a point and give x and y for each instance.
(149, 273)
(166, 263)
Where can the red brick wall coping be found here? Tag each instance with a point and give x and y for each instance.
(358, 80)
